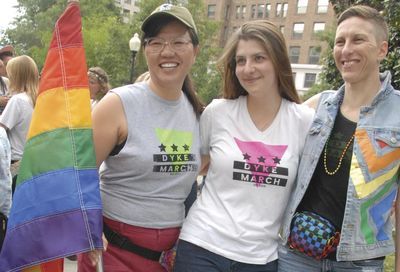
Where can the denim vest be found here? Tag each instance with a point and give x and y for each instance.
(374, 172)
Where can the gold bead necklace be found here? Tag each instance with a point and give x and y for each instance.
(331, 173)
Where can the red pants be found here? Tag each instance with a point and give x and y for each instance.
(119, 260)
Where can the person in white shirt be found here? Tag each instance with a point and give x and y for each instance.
(252, 139)
(16, 117)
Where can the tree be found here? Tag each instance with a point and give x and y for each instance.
(330, 78)
(105, 36)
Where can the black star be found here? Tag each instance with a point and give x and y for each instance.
(162, 147)
(246, 156)
(186, 147)
(174, 148)
(277, 160)
(261, 159)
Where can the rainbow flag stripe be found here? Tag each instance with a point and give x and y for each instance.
(56, 210)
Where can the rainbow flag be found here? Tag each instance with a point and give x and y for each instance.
(56, 210)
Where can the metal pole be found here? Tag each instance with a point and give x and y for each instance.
(99, 265)
(132, 66)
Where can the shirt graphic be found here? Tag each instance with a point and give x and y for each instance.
(174, 155)
(260, 164)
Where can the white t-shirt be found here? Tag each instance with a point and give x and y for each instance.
(17, 117)
(238, 214)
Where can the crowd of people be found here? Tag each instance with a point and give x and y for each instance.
(289, 186)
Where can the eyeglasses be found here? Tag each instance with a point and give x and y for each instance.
(156, 44)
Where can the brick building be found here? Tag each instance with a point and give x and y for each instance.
(298, 20)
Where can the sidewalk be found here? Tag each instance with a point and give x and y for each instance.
(69, 266)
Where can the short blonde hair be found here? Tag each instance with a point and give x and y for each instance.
(369, 14)
(23, 74)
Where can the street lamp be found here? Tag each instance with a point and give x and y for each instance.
(134, 46)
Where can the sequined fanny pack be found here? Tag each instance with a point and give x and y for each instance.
(313, 235)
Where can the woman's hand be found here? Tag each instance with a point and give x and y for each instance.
(94, 255)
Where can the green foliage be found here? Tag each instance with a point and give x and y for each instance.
(105, 36)
(391, 10)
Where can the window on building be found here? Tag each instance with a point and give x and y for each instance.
(302, 6)
(314, 54)
(234, 29)
(253, 11)
(243, 12)
(260, 10)
(126, 11)
(237, 12)
(322, 6)
(309, 80)
(294, 54)
(226, 29)
(128, 2)
(267, 10)
(318, 27)
(282, 29)
(226, 11)
(298, 29)
(294, 76)
(211, 11)
(278, 10)
(284, 10)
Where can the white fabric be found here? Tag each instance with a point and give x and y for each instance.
(16, 117)
(235, 217)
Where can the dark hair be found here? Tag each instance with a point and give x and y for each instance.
(369, 14)
(3, 86)
(271, 38)
(152, 29)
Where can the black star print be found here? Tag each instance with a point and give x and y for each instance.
(174, 148)
(277, 160)
(162, 147)
(246, 156)
(186, 147)
(261, 159)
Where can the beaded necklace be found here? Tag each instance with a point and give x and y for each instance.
(331, 173)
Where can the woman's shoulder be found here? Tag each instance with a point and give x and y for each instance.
(131, 88)
(20, 97)
(222, 104)
(300, 110)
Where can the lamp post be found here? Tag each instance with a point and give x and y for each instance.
(134, 46)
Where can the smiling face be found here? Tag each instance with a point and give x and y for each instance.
(254, 68)
(358, 50)
(168, 68)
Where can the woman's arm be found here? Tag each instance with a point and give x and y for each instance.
(205, 163)
(109, 126)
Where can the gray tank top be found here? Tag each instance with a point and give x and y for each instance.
(146, 183)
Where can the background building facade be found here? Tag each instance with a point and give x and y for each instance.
(299, 21)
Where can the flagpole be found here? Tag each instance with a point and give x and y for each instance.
(99, 265)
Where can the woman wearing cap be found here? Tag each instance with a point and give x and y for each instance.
(253, 139)
(98, 84)
(147, 142)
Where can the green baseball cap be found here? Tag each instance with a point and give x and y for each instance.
(182, 14)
